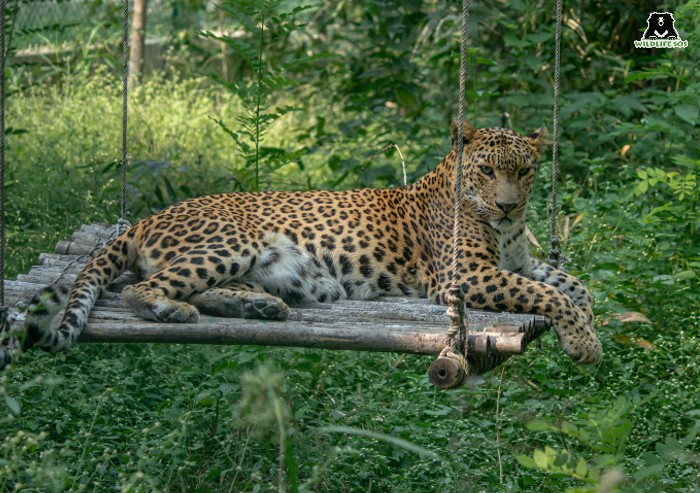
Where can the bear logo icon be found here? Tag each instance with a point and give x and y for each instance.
(661, 25)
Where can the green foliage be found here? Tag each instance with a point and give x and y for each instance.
(684, 188)
(263, 24)
(596, 455)
(602, 432)
(360, 78)
(680, 185)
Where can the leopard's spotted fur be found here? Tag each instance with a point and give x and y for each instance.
(21, 328)
(248, 254)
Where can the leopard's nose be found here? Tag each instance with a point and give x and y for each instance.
(506, 206)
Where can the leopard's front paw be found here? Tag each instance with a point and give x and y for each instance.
(581, 345)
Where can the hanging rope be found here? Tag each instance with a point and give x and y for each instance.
(556, 258)
(2, 152)
(454, 364)
(456, 344)
(122, 223)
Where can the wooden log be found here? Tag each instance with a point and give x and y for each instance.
(446, 372)
(102, 230)
(88, 239)
(73, 248)
(48, 270)
(41, 277)
(82, 237)
(85, 241)
(18, 291)
(350, 335)
(57, 259)
(47, 277)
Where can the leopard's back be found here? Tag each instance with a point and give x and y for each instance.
(301, 246)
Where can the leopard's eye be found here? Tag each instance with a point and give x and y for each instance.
(487, 170)
(523, 171)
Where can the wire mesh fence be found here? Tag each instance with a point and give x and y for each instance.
(40, 24)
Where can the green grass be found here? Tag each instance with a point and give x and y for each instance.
(174, 418)
(202, 418)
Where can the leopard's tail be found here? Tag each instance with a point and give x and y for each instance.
(8, 340)
(115, 258)
(42, 309)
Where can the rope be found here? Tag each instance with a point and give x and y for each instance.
(125, 91)
(2, 152)
(456, 344)
(556, 258)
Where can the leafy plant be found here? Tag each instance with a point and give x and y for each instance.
(602, 432)
(263, 23)
(594, 450)
(684, 187)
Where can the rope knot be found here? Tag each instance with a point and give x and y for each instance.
(121, 226)
(555, 257)
(456, 343)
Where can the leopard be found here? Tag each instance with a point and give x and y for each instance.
(255, 254)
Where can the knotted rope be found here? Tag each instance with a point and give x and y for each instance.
(456, 343)
(122, 223)
(555, 257)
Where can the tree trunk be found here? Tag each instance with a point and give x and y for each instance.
(137, 41)
(224, 58)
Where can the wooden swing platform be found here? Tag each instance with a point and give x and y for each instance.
(406, 325)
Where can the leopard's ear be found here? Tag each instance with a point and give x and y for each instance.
(539, 139)
(468, 132)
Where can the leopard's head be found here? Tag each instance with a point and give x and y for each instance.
(499, 170)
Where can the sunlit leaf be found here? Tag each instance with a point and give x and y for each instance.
(581, 470)
(633, 317)
(538, 425)
(633, 341)
(531, 237)
(541, 459)
(684, 275)
(526, 461)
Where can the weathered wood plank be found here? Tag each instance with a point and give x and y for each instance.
(46, 278)
(56, 259)
(330, 317)
(27, 284)
(101, 230)
(397, 309)
(83, 238)
(73, 248)
(86, 240)
(349, 335)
